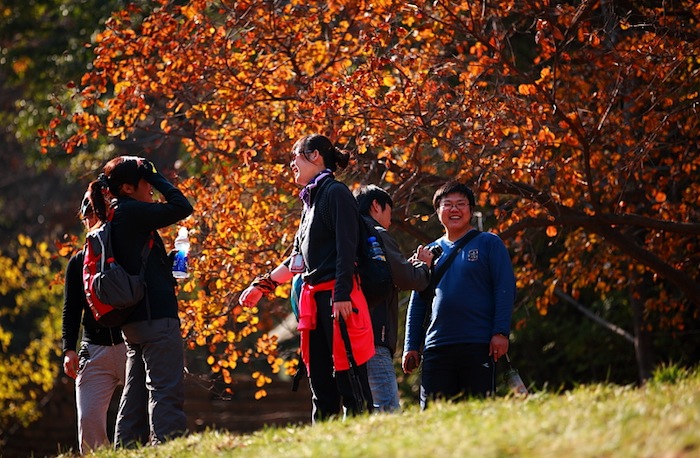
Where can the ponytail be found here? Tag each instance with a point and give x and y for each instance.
(98, 196)
(333, 157)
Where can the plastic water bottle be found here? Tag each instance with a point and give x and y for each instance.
(514, 381)
(375, 249)
(182, 248)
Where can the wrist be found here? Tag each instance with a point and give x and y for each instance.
(265, 283)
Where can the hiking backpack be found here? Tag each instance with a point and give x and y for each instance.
(111, 291)
(375, 275)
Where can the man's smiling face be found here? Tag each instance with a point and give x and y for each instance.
(455, 213)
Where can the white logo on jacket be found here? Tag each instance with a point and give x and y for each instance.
(473, 255)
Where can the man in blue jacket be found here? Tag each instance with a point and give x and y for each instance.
(468, 317)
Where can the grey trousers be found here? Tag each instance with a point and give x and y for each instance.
(151, 406)
(101, 372)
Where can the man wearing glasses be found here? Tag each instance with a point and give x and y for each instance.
(463, 327)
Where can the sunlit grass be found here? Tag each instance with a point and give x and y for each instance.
(661, 419)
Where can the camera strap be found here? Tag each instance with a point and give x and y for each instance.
(429, 293)
(442, 268)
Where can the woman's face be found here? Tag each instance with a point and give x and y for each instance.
(90, 220)
(305, 166)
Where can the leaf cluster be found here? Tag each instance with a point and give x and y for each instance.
(28, 333)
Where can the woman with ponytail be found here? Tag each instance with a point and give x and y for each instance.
(325, 249)
(98, 367)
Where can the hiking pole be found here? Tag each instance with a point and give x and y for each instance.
(355, 384)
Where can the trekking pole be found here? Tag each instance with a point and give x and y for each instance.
(355, 384)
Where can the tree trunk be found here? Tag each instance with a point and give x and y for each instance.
(642, 338)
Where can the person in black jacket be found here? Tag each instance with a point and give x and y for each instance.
(98, 368)
(151, 406)
(375, 206)
(325, 251)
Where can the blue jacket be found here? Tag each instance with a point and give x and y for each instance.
(473, 300)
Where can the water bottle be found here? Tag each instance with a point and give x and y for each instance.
(375, 249)
(514, 381)
(182, 248)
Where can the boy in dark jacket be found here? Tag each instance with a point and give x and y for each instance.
(375, 205)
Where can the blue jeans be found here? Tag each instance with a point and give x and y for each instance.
(382, 381)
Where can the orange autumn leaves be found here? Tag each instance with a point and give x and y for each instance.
(569, 133)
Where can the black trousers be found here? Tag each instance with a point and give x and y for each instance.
(455, 371)
(331, 390)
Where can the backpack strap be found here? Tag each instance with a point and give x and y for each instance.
(145, 251)
(112, 208)
(453, 254)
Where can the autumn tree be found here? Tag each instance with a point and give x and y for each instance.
(30, 292)
(576, 122)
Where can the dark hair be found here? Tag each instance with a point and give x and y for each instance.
(123, 170)
(95, 199)
(86, 208)
(453, 187)
(365, 195)
(333, 157)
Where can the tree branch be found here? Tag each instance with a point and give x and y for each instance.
(593, 316)
(605, 228)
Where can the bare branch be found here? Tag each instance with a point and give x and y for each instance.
(593, 316)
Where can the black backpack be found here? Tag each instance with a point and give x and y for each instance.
(375, 275)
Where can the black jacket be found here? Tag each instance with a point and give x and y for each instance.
(76, 309)
(132, 223)
(328, 237)
(406, 276)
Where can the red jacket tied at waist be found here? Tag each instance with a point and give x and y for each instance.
(359, 326)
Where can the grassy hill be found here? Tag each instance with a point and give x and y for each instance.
(661, 419)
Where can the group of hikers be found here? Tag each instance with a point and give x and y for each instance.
(457, 322)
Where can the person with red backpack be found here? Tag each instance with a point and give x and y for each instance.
(151, 407)
(99, 366)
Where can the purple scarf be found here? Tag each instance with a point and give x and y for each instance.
(305, 194)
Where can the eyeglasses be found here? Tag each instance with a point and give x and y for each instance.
(459, 205)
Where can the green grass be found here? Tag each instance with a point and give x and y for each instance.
(661, 419)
